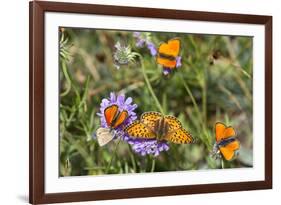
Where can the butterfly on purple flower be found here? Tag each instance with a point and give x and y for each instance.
(117, 106)
(143, 39)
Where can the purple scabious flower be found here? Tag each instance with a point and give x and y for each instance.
(140, 41)
(178, 60)
(152, 48)
(167, 71)
(143, 39)
(123, 104)
(148, 147)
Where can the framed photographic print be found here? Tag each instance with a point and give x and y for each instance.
(123, 106)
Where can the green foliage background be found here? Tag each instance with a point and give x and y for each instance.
(213, 84)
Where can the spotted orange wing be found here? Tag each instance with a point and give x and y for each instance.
(173, 122)
(150, 118)
(228, 151)
(110, 113)
(121, 118)
(177, 134)
(180, 136)
(223, 132)
(167, 53)
(140, 130)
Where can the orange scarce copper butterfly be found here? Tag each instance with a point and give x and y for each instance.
(226, 142)
(114, 118)
(168, 52)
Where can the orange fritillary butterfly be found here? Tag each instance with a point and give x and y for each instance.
(154, 125)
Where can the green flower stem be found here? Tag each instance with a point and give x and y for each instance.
(68, 80)
(196, 107)
(204, 97)
(192, 98)
(112, 157)
(190, 37)
(133, 159)
(82, 151)
(152, 165)
(204, 102)
(222, 163)
(149, 85)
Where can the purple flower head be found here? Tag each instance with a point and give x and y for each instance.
(152, 48)
(136, 34)
(140, 41)
(178, 60)
(123, 104)
(166, 71)
(143, 39)
(148, 147)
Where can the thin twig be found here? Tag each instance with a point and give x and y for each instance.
(222, 163)
(68, 80)
(153, 165)
(133, 159)
(149, 85)
(112, 157)
(192, 98)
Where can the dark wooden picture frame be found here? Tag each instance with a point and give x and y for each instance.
(37, 98)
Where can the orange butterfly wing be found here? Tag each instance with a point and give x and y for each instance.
(121, 118)
(171, 49)
(139, 130)
(166, 62)
(223, 132)
(110, 113)
(180, 136)
(229, 132)
(228, 151)
(177, 134)
(219, 130)
(173, 122)
(150, 118)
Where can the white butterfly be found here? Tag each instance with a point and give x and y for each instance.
(105, 135)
